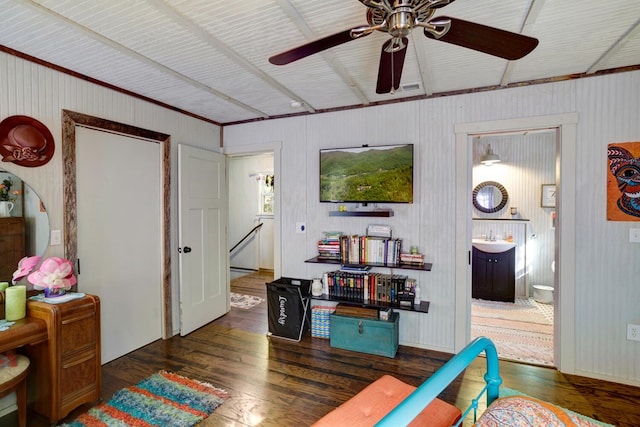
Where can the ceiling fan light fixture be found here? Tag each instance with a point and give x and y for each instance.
(490, 157)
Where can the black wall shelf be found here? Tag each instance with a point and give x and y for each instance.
(422, 306)
(424, 267)
(376, 213)
(500, 219)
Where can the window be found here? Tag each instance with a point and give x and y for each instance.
(266, 194)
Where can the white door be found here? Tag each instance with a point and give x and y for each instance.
(119, 236)
(204, 251)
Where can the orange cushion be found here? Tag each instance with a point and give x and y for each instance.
(378, 399)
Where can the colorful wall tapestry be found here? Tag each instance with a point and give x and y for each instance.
(623, 181)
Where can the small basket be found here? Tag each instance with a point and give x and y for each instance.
(320, 321)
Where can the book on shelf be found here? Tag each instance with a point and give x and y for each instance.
(415, 259)
(355, 268)
(329, 248)
(355, 249)
(367, 287)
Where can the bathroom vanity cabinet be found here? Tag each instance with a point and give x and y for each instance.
(494, 275)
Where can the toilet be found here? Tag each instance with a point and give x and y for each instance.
(542, 293)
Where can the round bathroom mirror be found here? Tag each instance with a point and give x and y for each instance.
(490, 197)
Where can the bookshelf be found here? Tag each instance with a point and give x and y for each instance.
(422, 307)
(354, 284)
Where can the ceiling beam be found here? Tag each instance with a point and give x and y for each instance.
(230, 53)
(423, 63)
(532, 15)
(135, 55)
(295, 16)
(619, 44)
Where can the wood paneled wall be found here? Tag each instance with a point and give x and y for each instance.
(33, 90)
(607, 270)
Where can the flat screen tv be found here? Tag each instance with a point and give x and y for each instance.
(376, 174)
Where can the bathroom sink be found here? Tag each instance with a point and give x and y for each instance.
(492, 246)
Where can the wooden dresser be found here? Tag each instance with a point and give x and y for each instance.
(67, 366)
(11, 245)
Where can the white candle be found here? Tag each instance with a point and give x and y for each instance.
(16, 302)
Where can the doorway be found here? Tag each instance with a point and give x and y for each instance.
(522, 327)
(251, 198)
(270, 150)
(564, 276)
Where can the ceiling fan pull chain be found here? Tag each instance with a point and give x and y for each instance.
(393, 89)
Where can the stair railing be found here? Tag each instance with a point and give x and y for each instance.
(256, 228)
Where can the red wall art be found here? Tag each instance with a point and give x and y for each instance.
(623, 181)
(25, 141)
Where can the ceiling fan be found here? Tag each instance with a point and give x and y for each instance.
(398, 18)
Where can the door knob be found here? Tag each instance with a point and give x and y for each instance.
(185, 250)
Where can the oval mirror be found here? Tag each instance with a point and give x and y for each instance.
(24, 224)
(490, 197)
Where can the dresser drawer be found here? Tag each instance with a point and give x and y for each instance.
(78, 332)
(379, 337)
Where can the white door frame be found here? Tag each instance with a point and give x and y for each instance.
(275, 148)
(564, 326)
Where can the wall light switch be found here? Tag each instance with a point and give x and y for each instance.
(634, 235)
(56, 238)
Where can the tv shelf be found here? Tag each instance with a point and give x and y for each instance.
(424, 267)
(376, 213)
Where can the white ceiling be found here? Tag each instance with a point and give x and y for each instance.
(210, 57)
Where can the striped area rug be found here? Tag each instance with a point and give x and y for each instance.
(522, 331)
(163, 399)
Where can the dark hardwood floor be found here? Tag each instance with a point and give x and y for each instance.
(275, 382)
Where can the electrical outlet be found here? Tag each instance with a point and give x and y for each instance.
(634, 235)
(633, 332)
(301, 227)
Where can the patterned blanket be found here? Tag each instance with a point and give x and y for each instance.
(521, 410)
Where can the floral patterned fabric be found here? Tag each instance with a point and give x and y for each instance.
(515, 411)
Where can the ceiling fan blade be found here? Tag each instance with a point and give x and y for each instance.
(316, 46)
(391, 63)
(482, 38)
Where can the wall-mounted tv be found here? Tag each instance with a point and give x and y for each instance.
(376, 174)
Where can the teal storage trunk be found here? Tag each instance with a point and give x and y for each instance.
(371, 336)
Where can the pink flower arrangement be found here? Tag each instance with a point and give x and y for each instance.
(54, 273)
(25, 265)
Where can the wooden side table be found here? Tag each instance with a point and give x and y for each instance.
(67, 367)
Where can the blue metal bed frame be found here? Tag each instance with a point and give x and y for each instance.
(409, 408)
